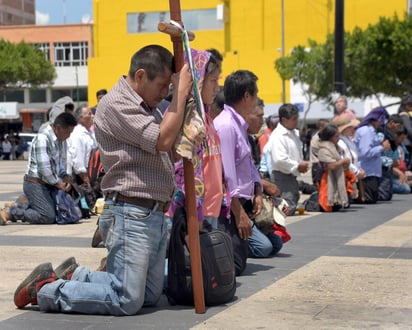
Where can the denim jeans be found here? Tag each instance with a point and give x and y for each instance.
(42, 208)
(212, 221)
(136, 241)
(261, 245)
(400, 188)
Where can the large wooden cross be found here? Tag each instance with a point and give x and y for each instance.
(190, 195)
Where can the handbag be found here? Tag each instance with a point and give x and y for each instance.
(274, 211)
(67, 210)
(264, 221)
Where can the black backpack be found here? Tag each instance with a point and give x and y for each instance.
(95, 172)
(219, 282)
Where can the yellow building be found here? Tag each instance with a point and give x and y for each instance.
(247, 33)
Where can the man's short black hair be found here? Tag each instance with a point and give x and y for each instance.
(69, 107)
(237, 84)
(65, 120)
(287, 111)
(154, 59)
(101, 92)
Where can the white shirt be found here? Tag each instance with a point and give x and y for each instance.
(286, 150)
(80, 144)
(6, 145)
(349, 151)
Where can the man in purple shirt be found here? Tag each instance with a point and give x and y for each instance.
(242, 178)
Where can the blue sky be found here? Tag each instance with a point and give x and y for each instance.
(63, 11)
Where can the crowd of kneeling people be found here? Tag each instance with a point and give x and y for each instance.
(351, 161)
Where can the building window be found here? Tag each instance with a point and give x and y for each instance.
(71, 53)
(45, 48)
(37, 95)
(12, 96)
(77, 94)
(205, 19)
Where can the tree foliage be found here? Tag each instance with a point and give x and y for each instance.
(377, 61)
(23, 64)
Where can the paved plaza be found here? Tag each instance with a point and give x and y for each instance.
(346, 270)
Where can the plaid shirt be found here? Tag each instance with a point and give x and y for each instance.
(47, 160)
(127, 132)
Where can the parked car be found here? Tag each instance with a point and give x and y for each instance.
(28, 137)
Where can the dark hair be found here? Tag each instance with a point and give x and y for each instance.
(101, 92)
(407, 99)
(215, 61)
(328, 132)
(322, 123)
(65, 120)
(402, 131)
(154, 59)
(219, 100)
(69, 107)
(395, 118)
(237, 84)
(287, 111)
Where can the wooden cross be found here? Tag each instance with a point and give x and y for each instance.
(190, 195)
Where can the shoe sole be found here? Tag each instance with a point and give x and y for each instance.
(3, 221)
(97, 238)
(65, 268)
(32, 277)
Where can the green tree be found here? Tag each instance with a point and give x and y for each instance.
(377, 61)
(311, 68)
(23, 64)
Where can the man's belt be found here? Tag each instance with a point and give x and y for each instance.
(35, 180)
(139, 201)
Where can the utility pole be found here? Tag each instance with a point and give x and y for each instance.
(339, 83)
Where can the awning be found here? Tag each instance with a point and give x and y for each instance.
(8, 110)
(32, 111)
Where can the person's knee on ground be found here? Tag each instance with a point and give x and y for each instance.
(276, 241)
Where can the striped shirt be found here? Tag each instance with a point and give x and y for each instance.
(47, 160)
(127, 132)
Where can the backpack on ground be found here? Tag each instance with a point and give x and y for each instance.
(95, 172)
(85, 197)
(312, 203)
(219, 282)
(67, 210)
(240, 247)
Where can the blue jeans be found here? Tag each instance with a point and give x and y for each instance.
(400, 188)
(136, 241)
(42, 208)
(212, 221)
(261, 245)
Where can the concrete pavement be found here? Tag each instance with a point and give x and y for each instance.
(345, 270)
